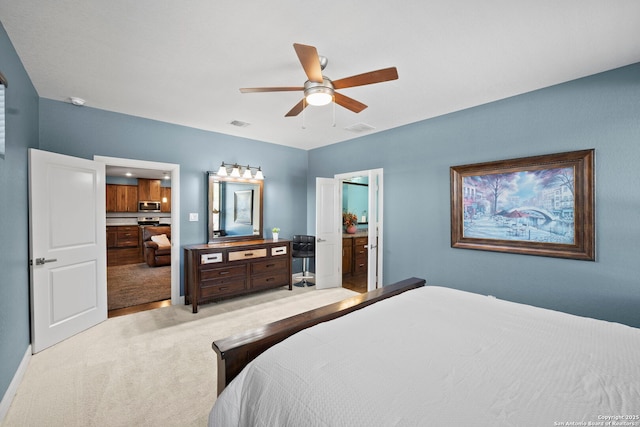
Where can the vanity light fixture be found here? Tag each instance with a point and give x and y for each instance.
(238, 171)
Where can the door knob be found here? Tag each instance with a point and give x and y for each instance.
(42, 261)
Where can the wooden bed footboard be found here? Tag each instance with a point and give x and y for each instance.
(236, 351)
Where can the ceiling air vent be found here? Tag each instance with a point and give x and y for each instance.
(360, 127)
(239, 123)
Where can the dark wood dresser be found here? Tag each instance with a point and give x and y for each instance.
(222, 270)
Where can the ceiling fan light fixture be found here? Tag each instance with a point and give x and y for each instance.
(319, 96)
(318, 93)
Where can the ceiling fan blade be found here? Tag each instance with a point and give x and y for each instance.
(308, 56)
(348, 103)
(270, 89)
(371, 77)
(297, 109)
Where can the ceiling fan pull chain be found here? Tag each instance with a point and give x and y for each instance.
(334, 112)
(304, 106)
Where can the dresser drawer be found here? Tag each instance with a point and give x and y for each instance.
(211, 258)
(222, 287)
(222, 272)
(248, 254)
(279, 250)
(270, 280)
(269, 266)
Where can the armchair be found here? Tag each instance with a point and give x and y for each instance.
(155, 253)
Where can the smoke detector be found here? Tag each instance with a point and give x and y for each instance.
(77, 101)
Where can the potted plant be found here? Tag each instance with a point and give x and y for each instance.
(350, 221)
(275, 231)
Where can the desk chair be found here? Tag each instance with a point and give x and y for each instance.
(304, 247)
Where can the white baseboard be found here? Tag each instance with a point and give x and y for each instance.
(13, 386)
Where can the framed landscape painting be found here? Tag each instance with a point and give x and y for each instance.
(542, 205)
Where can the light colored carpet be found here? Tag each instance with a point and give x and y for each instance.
(153, 368)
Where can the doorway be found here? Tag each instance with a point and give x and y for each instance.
(330, 231)
(148, 169)
(360, 194)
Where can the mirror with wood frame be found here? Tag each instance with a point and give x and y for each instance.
(234, 208)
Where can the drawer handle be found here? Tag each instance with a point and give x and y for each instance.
(270, 279)
(222, 273)
(248, 254)
(223, 288)
(270, 265)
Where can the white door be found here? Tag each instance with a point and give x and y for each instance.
(374, 268)
(328, 234)
(68, 246)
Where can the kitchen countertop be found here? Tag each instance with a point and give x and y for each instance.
(357, 234)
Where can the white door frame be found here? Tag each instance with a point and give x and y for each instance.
(175, 212)
(375, 228)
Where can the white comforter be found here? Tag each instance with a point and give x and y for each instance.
(441, 357)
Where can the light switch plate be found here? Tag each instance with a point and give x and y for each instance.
(193, 216)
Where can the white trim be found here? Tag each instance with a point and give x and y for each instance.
(13, 386)
(175, 212)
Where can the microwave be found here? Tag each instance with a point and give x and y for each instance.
(149, 206)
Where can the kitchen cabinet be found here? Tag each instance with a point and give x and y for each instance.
(112, 197)
(149, 189)
(360, 256)
(347, 256)
(121, 198)
(123, 245)
(355, 256)
(165, 194)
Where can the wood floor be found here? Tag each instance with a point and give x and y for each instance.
(137, 308)
(355, 283)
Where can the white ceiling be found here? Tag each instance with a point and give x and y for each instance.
(183, 61)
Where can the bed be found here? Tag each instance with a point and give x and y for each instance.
(427, 355)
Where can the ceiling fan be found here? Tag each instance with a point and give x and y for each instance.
(319, 89)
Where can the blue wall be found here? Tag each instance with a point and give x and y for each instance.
(85, 132)
(21, 133)
(601, 112)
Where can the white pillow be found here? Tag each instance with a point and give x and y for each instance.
(162, 241)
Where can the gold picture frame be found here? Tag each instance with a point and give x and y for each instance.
(541, 205)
